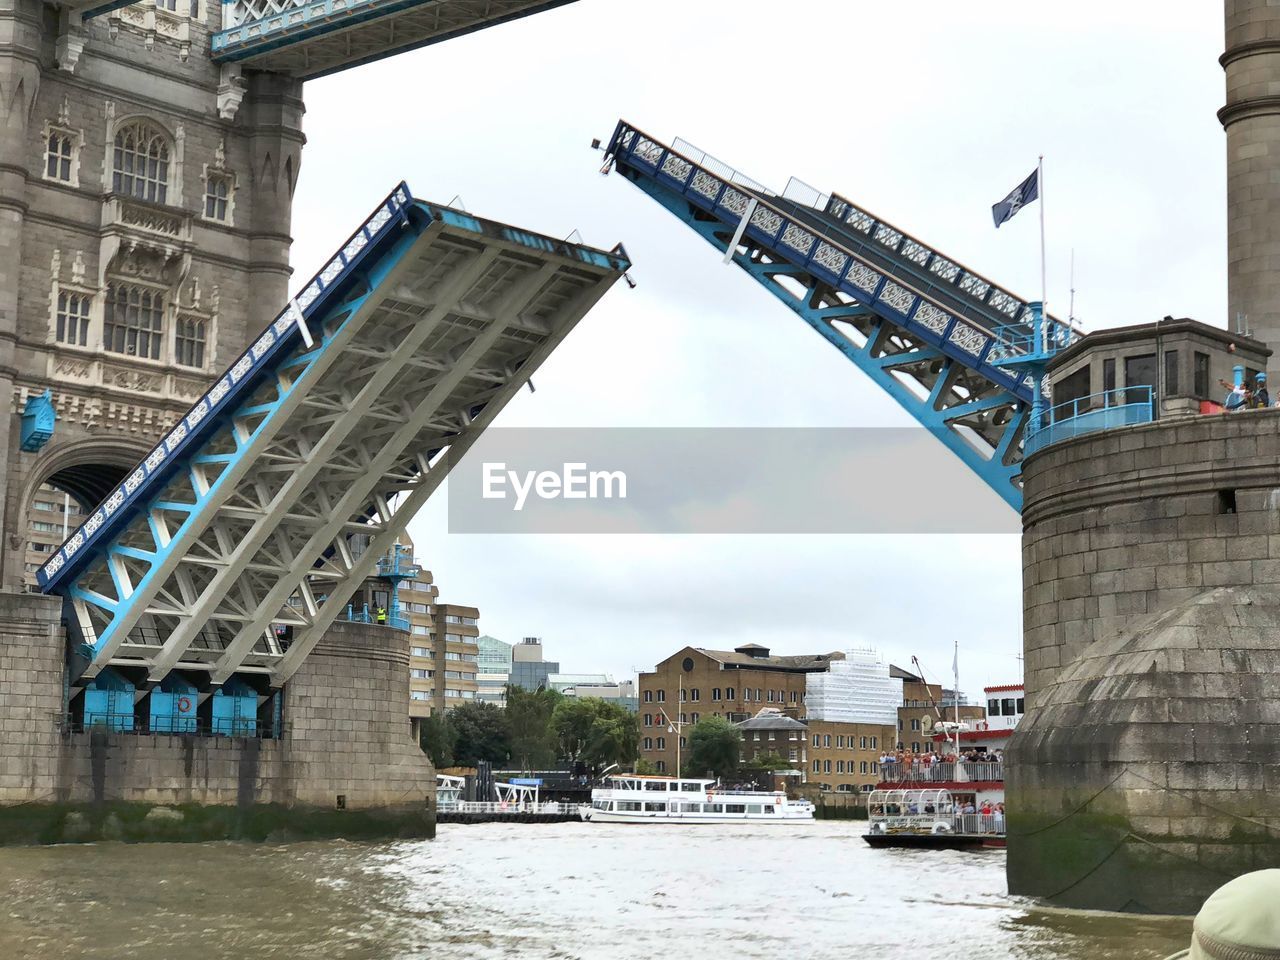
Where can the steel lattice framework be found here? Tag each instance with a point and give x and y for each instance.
(312, 38)
(274, 497)
(940, 339)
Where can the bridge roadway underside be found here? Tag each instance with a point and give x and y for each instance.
(345, 764)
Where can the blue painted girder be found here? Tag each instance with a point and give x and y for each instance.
(314, 38)
(929, 332)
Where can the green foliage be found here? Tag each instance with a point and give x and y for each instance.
(595, 732)
(646, 768)
(482, 732)
(714, 743)
(438, 739)
(533, 741)
(767, 761)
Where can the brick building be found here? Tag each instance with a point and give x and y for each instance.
(734, 684)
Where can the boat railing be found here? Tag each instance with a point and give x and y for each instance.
(497, 807)
(980, 823)
(960, 771)
(968, 824)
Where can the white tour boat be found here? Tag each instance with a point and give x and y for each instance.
(639, 799)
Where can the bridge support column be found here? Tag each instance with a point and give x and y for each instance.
(1143, 775)
(273, 112)
(1252, 121)
(19, 83)
(346, 765)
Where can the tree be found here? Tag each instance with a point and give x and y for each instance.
(714, 743)
(595, 732)
(438, 739)
(483, 733)
(533, 743)
(759, 769)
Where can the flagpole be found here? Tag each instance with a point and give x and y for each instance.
(1044, 274)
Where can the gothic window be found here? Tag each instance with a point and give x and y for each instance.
(217, 190)
(140, 162)
(134, 321)
(72, 321)
(189, 343)
(57, 158)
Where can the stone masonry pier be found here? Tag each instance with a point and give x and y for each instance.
(344, 765)
(1151, 556)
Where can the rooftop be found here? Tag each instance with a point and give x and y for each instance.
(770, 718)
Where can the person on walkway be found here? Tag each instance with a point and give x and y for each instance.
(1238, 398)
(1261, 399)
(382, 614)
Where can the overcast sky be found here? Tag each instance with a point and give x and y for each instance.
(925, 113)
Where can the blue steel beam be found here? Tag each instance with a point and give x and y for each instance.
(314, 38)
(933, 335)
(334, 423)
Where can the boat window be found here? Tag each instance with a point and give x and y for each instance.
(713, 807)
(735, 808)
(655, 807)
(628, 804)
(690, 787)
(654, 785)
(769, 809)
(753, 808)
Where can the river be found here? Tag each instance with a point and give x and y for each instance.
(596, 892)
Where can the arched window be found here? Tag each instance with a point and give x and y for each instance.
(58, 157)
(216, 191)
(134, 321)
(189, 342)
(140, 162)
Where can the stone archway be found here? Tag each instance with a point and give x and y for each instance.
(86, 471)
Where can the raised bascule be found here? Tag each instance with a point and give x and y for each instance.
(957, 351)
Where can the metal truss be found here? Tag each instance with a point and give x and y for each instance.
(312, 38)
(934, 335)
(240, 555)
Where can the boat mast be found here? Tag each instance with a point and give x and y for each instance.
(955, 693)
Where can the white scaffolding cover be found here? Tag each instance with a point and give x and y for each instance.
(857, 689)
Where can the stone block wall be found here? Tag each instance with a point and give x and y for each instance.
(1142, 777)
(346, 734)
(1128, 522)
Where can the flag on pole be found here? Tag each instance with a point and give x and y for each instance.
(1025, 193)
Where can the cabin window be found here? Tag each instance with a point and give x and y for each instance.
(753, 808)
(735, 808)
(713, 808)
(654, 785)
(631, 805)
(651, 807)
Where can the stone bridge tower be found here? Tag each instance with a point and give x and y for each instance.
(145, 200)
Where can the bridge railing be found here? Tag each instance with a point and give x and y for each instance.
(1107, 410)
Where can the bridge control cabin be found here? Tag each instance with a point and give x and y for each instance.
(1130, 375)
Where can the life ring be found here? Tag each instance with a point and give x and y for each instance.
(777, 801)
(711, 794)
(184, 704)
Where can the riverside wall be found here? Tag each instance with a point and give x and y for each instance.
(344, 765)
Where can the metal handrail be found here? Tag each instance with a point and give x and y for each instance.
(628, 145)
(1106, 410)
(961, 771)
